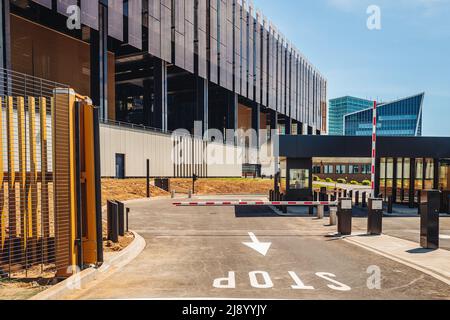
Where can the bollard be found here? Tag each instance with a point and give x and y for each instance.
(121, 220)
(113, 221)
(419, 196)
(364, 199)
(390, 204)
(128, 214)
(323, 196)
(357, 198)
(448, 204)
(375, 217)
(345, 193)
(350, 195)
(320, 212)
(172, 193)
(429, 219)
(333, 216)
(190, 194)
(345, 217)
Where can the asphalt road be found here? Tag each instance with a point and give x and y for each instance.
(188, 248)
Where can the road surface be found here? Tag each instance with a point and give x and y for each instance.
(190, 250)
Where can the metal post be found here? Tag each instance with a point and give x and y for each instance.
(356, 198)
(333, 216)
(127, 218)
(448, 204)
(98, 187)
(113, 223)
(148, 178)
(375, 217)
(429, 219)
(345, 216)
(121, 218)
(364, 199)
(419, 196)
(320, 212)
(390, 204)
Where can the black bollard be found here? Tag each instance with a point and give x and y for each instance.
(390, 204)
(113, 221)
(356, 198)
(128, 215)
(345, 216)
(419, 196)
(121, 218)
(375, 217)
(429, 219)
(364, 199)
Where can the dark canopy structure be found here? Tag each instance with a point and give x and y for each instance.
(404, 165)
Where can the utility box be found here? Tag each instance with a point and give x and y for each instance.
(345, 216)
(375, 217)
(429, 219)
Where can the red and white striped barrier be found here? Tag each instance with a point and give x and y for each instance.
(254, 203)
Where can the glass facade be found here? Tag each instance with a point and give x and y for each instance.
(339, 108)
(398, 118)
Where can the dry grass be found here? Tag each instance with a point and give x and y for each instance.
(223, 186)
(129, 189)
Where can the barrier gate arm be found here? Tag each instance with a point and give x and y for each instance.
(254, 203)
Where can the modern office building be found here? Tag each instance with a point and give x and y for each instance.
(398, 118)
(340, 107)
(165, 64)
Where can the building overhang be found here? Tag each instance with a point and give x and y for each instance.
(360, 147)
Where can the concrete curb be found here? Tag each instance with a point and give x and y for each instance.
(81, 280)
(435, 274)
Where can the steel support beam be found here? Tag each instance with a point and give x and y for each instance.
(99, 62)
(160, 114)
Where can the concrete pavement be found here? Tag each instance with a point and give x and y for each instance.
(190, 251)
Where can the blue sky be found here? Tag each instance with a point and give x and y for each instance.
(409, 55)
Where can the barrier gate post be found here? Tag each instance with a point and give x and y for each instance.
(429, 219)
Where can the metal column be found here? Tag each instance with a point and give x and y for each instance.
(99, 62)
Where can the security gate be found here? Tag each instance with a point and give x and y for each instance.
(49, 179)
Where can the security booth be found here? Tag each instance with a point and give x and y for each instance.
(404, 165)
(296, 179)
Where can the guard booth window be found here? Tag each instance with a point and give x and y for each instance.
(444, 176)
(298, 179)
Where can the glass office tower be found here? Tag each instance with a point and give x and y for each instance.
(342, 106)
(398, 118)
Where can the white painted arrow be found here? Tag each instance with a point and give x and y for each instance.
(260, 247)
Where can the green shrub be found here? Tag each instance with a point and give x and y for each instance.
(366, 183)
(329, 180)
(354, 182)
(343, 181)
(316, 178)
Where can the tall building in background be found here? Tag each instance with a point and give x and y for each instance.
(340, 107)
(398, 118)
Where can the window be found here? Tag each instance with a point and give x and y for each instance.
(316, 169)
(328, 169)
(298, 179)
(353, 169)
(366, 169)
(341, 169)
